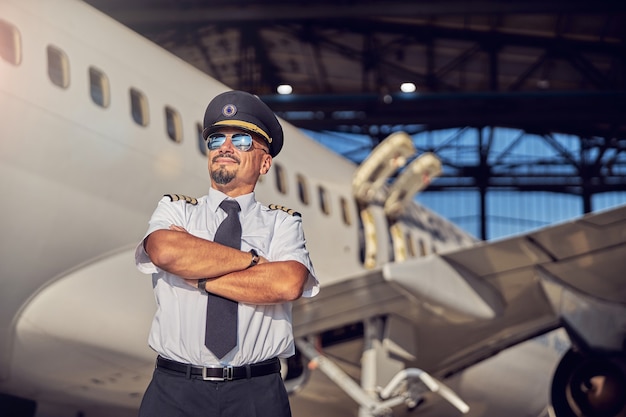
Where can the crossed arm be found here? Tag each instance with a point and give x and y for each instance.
(226, 269)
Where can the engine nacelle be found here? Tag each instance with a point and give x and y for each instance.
(589, 385)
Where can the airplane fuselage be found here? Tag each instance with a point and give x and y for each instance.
(89, 145)
(98, 124)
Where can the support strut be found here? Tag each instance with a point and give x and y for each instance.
(407, 386)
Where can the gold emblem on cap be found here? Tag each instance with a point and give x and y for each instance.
(229, 110)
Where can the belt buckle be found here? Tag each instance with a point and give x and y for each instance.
(227, 374)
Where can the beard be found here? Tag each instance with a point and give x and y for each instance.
(222, 176)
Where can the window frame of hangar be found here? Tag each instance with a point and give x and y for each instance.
(173, 124)
(99, 87)
(10, 43)
(139, 109)
(58, 67)
(303, 189)
(281, 178)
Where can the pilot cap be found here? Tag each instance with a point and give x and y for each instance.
(244, 111)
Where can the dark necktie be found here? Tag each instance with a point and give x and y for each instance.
(221, 320)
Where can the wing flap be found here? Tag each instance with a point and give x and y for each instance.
(588, 254)
(496, 257)
(449, 286)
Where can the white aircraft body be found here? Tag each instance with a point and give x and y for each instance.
(98, 123)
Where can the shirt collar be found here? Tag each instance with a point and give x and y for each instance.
(215, 198)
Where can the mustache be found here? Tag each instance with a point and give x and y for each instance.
(226, 155)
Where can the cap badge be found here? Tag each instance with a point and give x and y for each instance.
(229, 110)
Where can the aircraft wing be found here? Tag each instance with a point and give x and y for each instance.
(455, 309)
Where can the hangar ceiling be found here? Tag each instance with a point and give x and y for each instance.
(541, 66)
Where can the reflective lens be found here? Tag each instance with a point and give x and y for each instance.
(241, 141)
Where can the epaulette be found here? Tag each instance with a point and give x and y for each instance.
(285, 209)
(176, 197)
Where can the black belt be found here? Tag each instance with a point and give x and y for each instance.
(220, 373)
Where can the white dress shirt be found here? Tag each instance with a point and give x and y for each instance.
(264, 331)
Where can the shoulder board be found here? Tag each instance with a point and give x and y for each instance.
(285, 209)
(177, 197)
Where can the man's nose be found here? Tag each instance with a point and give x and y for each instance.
(227, 145)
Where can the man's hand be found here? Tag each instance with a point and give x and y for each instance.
(178, 228)
(192, 282)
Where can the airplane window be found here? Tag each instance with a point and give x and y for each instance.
(345, 211)
(281, 182)
(99, 87)
(422, 248)
(202, 146)
(139, 107)
(58, 67)
(411, 245)
(324, 203)
(10, 43)
(303, 192)
(174, 124)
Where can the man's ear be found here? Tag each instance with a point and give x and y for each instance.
(266, 164)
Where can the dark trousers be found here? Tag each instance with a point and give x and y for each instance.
(174, 395)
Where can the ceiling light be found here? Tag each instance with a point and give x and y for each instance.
(284, 89)
(407, 87)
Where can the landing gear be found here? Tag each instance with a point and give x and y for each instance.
(385, 383)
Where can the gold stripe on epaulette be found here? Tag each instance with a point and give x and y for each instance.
(285, 209)
(177, 197)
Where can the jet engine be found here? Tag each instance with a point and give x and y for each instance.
(589, 385)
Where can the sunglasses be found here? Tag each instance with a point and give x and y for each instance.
(241, 141)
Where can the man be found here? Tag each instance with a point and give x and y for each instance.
(203, 272)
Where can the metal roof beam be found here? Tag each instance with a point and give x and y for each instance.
(588, 113)
(276, 11)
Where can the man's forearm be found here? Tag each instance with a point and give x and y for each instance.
(191, 257)
(266, 283)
